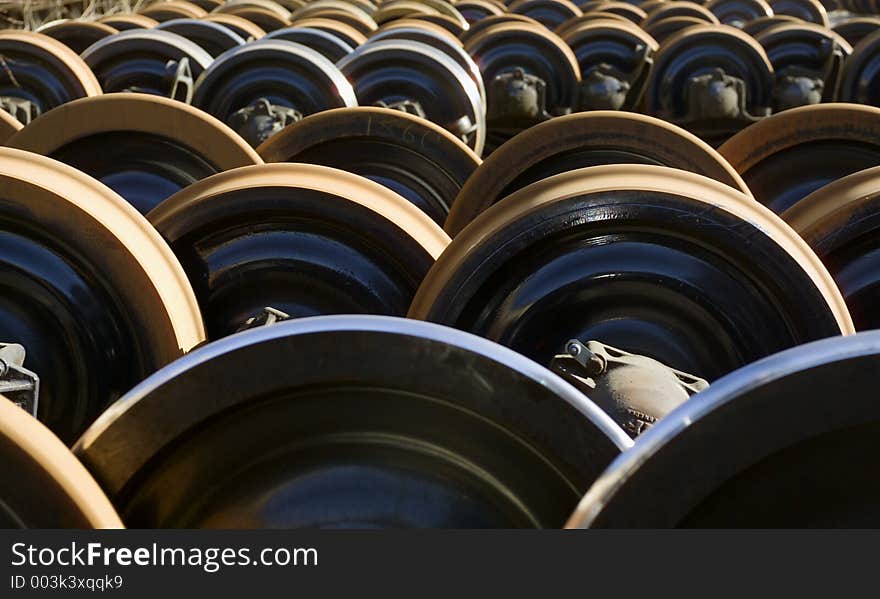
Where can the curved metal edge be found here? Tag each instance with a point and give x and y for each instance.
(52, 27)
(133, 18)
(329, 37)
(671, 44)
(635, 177)
(191, 49)
(68, 57)
(461, 77)
(657, 13)
(405, 215)
(219, 28)
(574, 34)
(290, 140)
(721, 392)
(361, 323)
(324, 65)
(763, 37)
(838, 197)
(794, 126)
(124, 222)
(234, 21)
(32, 437)
(346, 33)
(182, 7)
(232, 5)
(182, 123)
(517, 155)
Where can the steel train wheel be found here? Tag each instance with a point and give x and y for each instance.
(443, 90)
(444, 41)
(664, 29)
(630, 12)
(159, 146)
(349, 35)
(46, 72)
(656, 261)
(398, 9)
(813, 470)
(411, 156)
(857, 29)
(244, 28)
(841, 222)
(363, 24)
(611, 53)
(326, 44)
(589, 17)
(126, 21)
(754, 28)
(807, 60)
(581, 140)
(484, 24)
(9, 126)
(277, 72)
(698, 54)
(88, 288)
(811, 11)
(138, 60)
(436, 443)
(265, 19)
(173, 9)
(304, 239)
(450, 24)
(476, 10)
(792, 154)
(739, 12)
(208, 5)
(679, 9)
(46, 486)
(343, 5)
(233, 6)
(861, 73)
(505, 51)
(78, 35)
(213, 38)
(549, 13)
(408, 24)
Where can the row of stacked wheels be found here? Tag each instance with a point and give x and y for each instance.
(386, 281)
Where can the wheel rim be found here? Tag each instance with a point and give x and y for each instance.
(679, 9)
(791, 154)
(581, 140)
(136, 60)
(763, 23)
(555, 262)
(244, 28)
(162, 145)
(173, 9)
(550, 13)
(124, 22)
(284, 73)
(34, 458)
(664, 29)
(411, 156)
(349, 35)
(811, 11)
(840, 222)
(265, 19)
(475, 10)
(757, 402)
(860, 73)
(78, 35)
(327, 44)
(48, 73)
(98, 312)
(739, 12)
(562, 463)
(377, 71)
(288, 218)
(855, 30)
(484, 24)
(214, 38)
(9, 126)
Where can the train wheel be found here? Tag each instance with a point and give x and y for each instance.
(304, 239)
(411, 156)
(580, 140)
(656, 261)
(444, 429)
